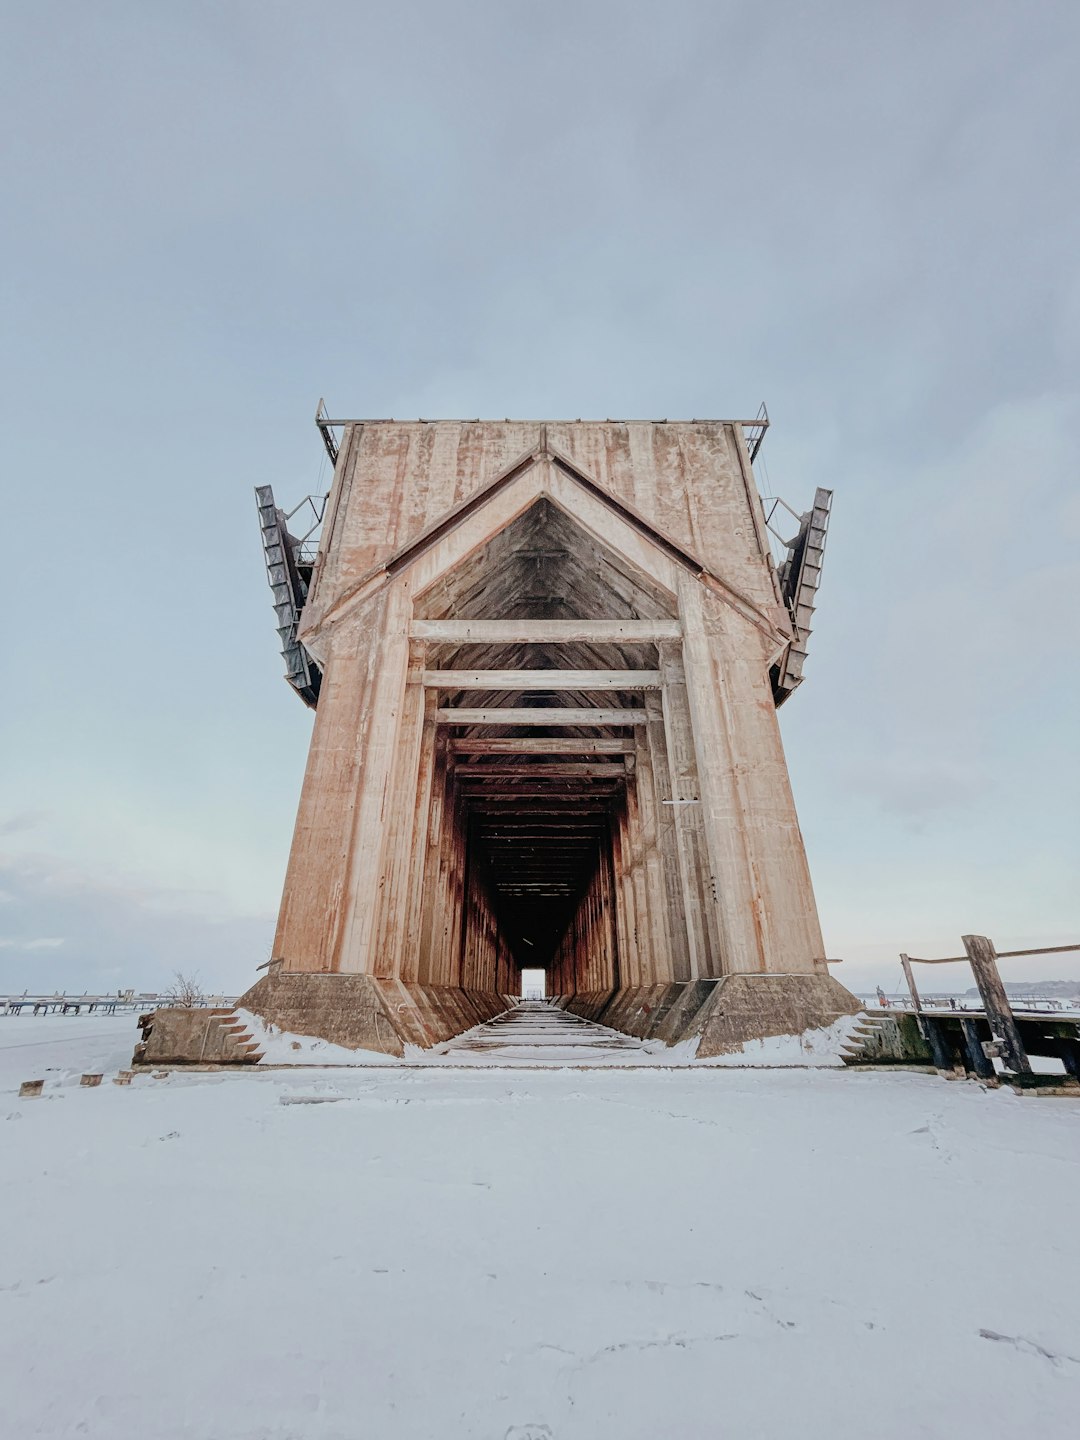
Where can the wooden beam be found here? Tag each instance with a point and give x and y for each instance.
(510, 824)
(550, 805)
(980, 1062)
(905, 965)
(510, 784)
(499, 782)
(549, 856)
(542, 745)
(548, 862)
(528, 864)
(517, 826)
(1003, 1026)
(541, 715)
(541, 771)
(521, 873)
(542, 679)
(517, 830)
(588, 835)
(544, 632)
(520, 790)
(549, 859)
(517, 887)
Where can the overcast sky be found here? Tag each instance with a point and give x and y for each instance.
(214, 213)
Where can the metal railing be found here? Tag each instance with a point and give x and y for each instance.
(124, 1001)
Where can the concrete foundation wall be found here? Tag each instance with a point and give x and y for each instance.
(722, 1013)
(364, 1013)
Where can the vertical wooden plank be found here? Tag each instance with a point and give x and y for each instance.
(420, 830)
(657, 954)
(431, 882)
(940, 1049)
(981, 1063)
(667, 844)
(407, 795)
(378, 749)
(905, 964)
(686, 805)
(983, 957)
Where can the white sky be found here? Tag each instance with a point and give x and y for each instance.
(215, 213)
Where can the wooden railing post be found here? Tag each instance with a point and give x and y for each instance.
(1003, 1027)
(910, 978)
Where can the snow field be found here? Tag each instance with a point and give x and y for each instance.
(329, 1255)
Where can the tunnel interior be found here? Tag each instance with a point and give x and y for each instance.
(555, 846)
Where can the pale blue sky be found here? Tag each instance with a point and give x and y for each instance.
(865, 214)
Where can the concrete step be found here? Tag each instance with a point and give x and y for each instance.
(536, 1030)
(854, 1050)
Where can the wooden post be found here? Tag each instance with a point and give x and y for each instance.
(1003, 1027)
(939, 1049)
(694, 869)
(910, 978)
(981, 1063)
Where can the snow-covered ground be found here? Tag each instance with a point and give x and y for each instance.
(814, 1047)
(518, 1255)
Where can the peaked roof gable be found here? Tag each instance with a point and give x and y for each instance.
(542, 471)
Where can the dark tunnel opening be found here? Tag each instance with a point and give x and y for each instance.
(540, 807)
(540, 832)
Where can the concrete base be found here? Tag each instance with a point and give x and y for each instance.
(181, 1035)
(724, 1012)
(363, 1013)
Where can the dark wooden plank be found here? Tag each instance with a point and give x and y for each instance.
(981, 953)
(981, 1063)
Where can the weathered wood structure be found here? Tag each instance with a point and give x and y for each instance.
(969, 1040)
(546, 660)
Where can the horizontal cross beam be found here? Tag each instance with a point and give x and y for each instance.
(574, 875)
(542, 679)
(542, 771)
(541, 715)
(522, 797)
(542, 745)
(538, 889)
(514, 827)
(528, 862)
(550, 805)
(595, 804)
(543, 632)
